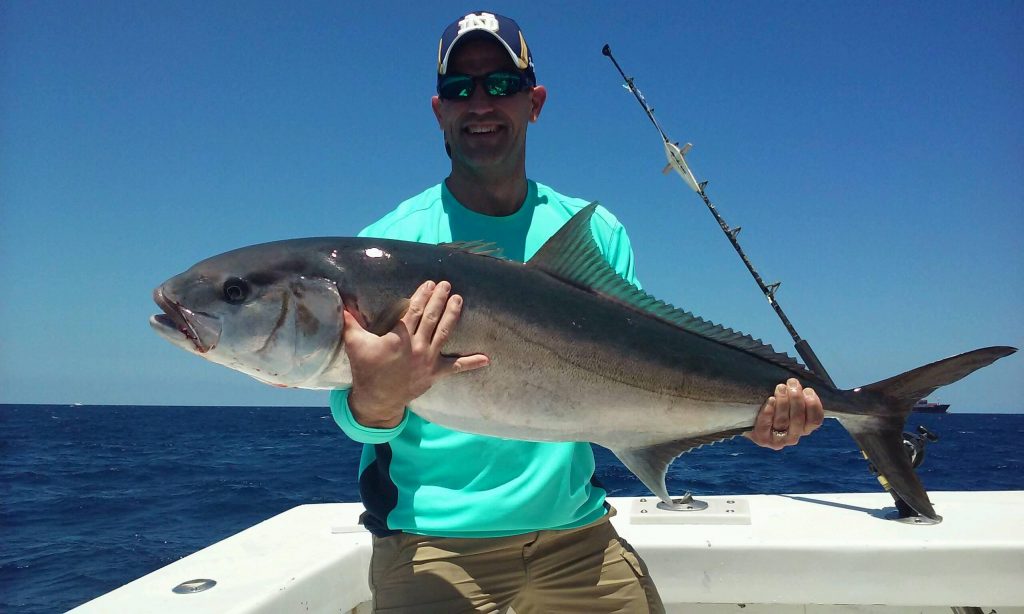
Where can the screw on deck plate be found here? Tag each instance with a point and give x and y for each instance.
(922, 520)
(686, 503)
(194, 586)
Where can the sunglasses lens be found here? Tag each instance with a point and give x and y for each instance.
(460, 87)
(503, 83)
(455, 87)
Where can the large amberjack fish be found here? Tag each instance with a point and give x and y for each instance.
(576, 352)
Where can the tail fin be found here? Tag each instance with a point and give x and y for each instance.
(880, 434)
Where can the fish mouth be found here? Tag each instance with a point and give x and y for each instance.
(190, 330)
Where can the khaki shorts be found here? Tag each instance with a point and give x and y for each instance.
(588, 569)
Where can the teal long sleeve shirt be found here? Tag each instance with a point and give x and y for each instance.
(420, 477)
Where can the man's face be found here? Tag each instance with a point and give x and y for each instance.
(486, 131)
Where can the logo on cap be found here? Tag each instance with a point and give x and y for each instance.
(481, 21)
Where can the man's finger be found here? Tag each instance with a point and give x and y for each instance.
(450, 317)
(761, 433)
(452, 364)
(797, 411)
(355, 336)
(417, 302)
(815, 411)
(352, 326)
(780, 423)
(432, 312)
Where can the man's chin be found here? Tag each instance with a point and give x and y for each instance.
(480, 158)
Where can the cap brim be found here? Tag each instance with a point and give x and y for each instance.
(442, 68)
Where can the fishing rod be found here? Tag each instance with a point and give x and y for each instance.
(677, 160)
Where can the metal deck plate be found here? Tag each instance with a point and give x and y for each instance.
(645, 510)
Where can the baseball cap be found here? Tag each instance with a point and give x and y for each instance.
(503, 29)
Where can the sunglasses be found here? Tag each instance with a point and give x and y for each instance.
(498, 83)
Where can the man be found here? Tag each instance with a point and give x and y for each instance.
(465, 522)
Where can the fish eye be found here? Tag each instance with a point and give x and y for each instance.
(235, 290)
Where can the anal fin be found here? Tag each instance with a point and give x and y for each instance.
(650, 463)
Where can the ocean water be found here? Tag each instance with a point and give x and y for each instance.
(93, 497)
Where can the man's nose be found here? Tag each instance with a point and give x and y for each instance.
(480, 101)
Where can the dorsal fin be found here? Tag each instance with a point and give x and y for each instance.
(479, 248)
(573, 256)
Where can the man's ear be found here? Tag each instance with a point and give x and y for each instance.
(435, 104)
(537, 97)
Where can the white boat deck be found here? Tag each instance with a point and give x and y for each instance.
(770, 553)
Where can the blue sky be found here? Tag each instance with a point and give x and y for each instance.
(871, 151)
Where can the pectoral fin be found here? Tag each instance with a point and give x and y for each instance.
(385, 320)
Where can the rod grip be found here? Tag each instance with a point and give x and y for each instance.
(811, 360)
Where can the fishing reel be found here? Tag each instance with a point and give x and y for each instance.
(914, 444)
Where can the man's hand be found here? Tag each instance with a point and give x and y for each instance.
(391, 370)
(788, 415)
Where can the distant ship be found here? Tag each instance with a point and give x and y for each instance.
(924, 407)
